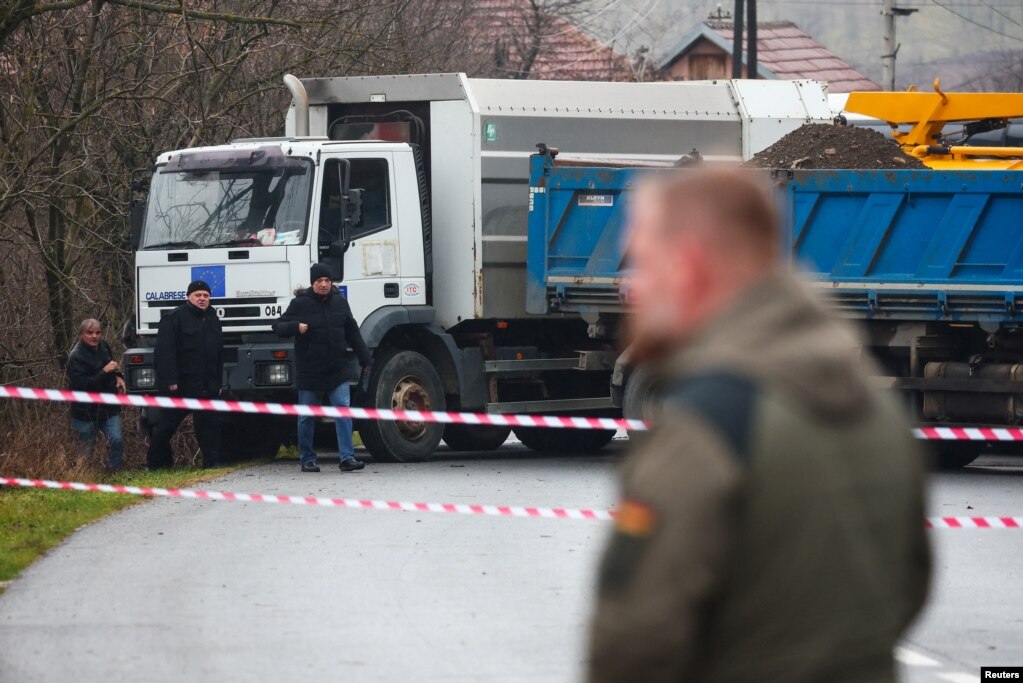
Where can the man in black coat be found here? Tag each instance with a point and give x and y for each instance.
(321, 321)
(91, 367)
(189, 363)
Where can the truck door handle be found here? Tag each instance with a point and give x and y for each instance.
(391, 290)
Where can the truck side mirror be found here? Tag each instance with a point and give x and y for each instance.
(351, 215)
(137, 207)
(338, 248)
(353, 208)
(137, 217)
(341, 246)
(351, 201)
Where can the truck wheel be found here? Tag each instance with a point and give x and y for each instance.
(475, 437)
(638, 399)
(405, 380)
(549, 440)
(253, 437)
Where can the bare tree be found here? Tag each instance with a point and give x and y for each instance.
(512, 38)
(92, 89)
(1000, 71)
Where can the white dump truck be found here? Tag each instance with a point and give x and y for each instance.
(415, 191)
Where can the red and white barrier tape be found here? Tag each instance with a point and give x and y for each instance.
(219, 405)
(969, 433)
(974, 522)
(453, 508)
(555, 421)
(450, 508)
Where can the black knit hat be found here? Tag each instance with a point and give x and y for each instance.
(197, 285)
(317, 271)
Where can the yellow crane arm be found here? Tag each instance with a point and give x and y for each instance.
(929, 112)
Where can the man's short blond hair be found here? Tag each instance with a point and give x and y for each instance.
(738, 208)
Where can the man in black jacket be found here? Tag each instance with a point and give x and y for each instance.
(323, 326)
(91, 367)
(189, 363)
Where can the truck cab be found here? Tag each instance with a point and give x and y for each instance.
(250, 218)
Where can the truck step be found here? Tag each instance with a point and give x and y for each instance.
(563, 405)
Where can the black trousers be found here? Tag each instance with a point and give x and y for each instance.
(207, 433)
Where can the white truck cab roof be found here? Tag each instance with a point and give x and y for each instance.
(289, 147)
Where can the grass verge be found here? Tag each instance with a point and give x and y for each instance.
(34, 520)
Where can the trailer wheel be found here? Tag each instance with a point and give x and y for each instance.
(405, 380)
(475, 437)
(550, 440)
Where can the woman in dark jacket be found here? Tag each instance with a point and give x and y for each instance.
(321, 321)
(91, 367)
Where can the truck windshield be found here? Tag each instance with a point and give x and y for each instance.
(202, 209)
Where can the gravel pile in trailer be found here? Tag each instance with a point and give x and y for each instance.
(818, 145)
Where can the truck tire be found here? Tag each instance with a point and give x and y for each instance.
(548, 440)
(253, 437)
(404, 380)
(475, 437)
(637, 401)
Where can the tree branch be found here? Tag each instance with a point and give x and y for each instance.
(211, 16)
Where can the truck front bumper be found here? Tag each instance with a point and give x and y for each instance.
(257, 368)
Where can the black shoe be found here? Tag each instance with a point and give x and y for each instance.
(351, 465)
(310, 467)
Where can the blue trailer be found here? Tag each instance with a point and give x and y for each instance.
(930, 262)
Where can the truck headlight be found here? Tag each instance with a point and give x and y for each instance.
(143, 378)
(273, 374)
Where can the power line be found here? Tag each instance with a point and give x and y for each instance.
(977, 23)
(999, 12)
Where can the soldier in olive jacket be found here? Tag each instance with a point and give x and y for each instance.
(771, 526)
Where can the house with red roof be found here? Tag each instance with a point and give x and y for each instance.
(517, 39)
(783, 52)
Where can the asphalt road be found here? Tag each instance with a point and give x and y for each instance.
(192, 590)
(975, 614)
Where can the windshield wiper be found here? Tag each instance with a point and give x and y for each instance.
(235, 243)
(172, 245)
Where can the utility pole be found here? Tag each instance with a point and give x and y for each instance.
(751, 38)
(888, 57)
(740, 10)
(891, 48)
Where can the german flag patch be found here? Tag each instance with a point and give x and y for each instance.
(635, 518)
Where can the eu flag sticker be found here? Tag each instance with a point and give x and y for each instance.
(214, 277)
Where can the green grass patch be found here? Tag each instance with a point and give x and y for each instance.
(34, 520)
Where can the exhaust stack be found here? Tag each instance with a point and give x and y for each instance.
(300, 98)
